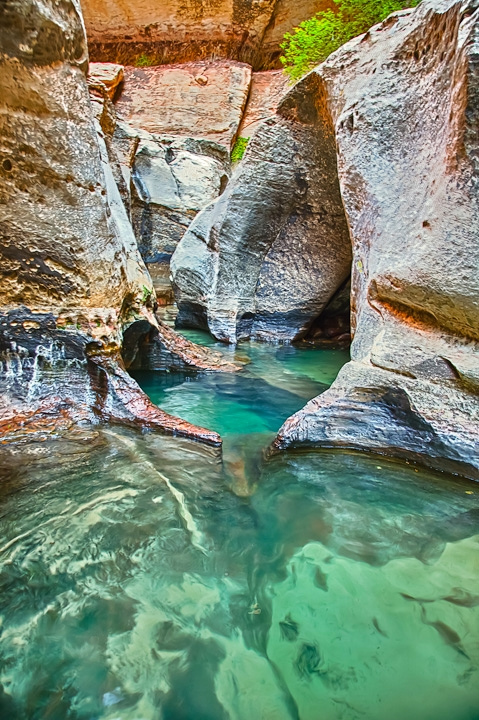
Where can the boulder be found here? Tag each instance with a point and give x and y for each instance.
(147, 32)
(405, 104)
(265, 258)
(170, 179)
(110, 75)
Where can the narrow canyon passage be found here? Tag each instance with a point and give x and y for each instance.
(239, 369)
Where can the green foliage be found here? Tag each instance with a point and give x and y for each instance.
(239, 149)
(146, 295)
(145, 60)
(314, 39)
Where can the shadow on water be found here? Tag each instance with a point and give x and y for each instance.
(143, 578)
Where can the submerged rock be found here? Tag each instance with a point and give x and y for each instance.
(265, 259)
(161, 348)
(404, 100)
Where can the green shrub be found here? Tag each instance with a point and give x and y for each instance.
(314, 39)
(239, 149)
(146, 294)
(144, 60)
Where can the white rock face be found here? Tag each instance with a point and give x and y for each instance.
(171, 179)
(405, 105)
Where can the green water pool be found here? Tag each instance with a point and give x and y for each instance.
(277, 381)
(152, 578)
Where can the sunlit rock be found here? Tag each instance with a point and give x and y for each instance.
(145, 32)
(110, 75)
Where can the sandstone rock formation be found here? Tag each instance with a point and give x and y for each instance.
(174, 135)
(267, 90)
(404, 101)
(264, 259)
(148, 32)
(72, 276)
(196, 100)
(109, 75)
(170, 179)
(65, 245)
(160, 348)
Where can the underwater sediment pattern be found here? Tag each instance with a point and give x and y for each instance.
(137, 583)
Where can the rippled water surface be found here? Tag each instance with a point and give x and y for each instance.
(143, 578)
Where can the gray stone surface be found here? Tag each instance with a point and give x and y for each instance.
(71, 274)
(405, 104)
(171, 179)
(63, 246)
(266, 257)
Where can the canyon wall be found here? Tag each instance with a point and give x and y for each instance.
(72, 278)
(264, 260)
(176, 126)
(147, 32)
(404, 102)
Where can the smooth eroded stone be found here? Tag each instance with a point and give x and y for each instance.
(171, 179)
(405, 104)
(71, 274)
(265, 259)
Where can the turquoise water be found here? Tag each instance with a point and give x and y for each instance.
(277, 381)
(147, 578)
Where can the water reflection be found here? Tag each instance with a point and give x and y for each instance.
(135, 584)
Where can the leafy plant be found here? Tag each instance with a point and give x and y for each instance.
(146, 294)
(314, 39)
(145, 60)
(239, 149)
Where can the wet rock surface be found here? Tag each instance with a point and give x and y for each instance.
(404, 103)
(265, 259)
(161, 348)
